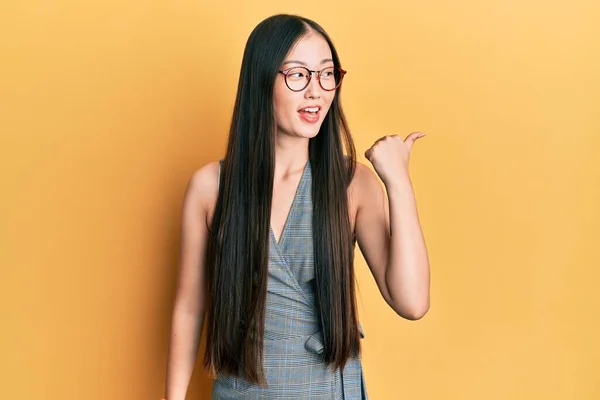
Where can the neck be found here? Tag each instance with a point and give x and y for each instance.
(291, 155)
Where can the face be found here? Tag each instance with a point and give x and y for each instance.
(313, 52)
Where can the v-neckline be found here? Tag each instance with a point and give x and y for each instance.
(279, 242)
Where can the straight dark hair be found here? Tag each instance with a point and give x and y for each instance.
(238, 249)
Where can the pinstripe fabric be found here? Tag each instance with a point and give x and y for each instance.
(293, 341)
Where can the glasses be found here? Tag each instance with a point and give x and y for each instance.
(298, 78)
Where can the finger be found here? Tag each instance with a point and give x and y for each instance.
(411, 138)
(414, 136)
(384, 138)
(380, 139)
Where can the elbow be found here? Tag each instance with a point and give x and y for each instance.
(410, 302)
(414, 311)
(188, 305)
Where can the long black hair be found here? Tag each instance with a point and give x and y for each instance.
(238, 249)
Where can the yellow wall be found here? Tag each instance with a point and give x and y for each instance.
(107, 107)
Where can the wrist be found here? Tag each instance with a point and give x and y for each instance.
(400, 180)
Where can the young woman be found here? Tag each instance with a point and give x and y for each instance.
(269, 232)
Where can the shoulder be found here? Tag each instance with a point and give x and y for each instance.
(364, 178)
(203, 185)
(365, 185)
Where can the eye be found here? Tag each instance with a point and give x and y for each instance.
(328, 73)
(296, 74)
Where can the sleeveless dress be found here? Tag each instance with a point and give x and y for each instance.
(293, 341)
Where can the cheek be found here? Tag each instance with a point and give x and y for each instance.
(281, 112)
(279, 109)
(329, 100)
(284, 104)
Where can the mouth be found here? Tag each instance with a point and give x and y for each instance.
(310, 114)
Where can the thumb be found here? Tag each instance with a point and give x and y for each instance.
(412, 138)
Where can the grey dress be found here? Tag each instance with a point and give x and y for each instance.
(293, 341)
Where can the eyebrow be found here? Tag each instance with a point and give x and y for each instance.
(303, 63)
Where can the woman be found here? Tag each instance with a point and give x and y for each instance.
(269, 232)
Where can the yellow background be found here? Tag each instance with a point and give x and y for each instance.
(108, 107)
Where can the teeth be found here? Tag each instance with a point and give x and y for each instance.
(313, 110)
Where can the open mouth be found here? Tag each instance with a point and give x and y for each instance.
(311, 110)
(310, 114)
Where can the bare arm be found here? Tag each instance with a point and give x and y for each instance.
(389, 235)
(189, 308)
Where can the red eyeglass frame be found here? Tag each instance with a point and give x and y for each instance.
(286, 71)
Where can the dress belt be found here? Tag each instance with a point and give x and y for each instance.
(315, 344)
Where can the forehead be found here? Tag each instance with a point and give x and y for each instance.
(311, 49)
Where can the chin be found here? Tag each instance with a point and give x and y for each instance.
(309, 132)
(309, 135)
(302, 134)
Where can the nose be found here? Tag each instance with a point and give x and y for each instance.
(313, 90)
